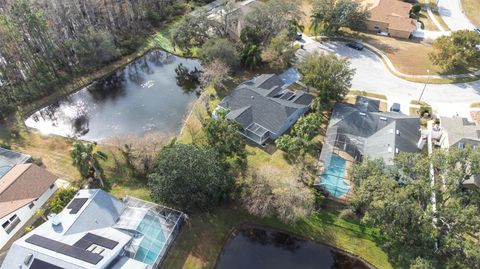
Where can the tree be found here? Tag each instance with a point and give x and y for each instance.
(456, 51)
(214, 74)
(222, 136)
(95, 48)
(281, 52)
(398, 200)
(266, 20)
(190, 178)
(190, 32)
(252, 56)
(300, 140)
(61, 198)
(139, 152)
(329, 75)
(219, 49)
(294, 27)
(268, 192)
(87, 160)
(333, 14)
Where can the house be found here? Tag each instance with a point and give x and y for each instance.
(264, 107)
(458, 132)
(360, 130)
(391, 17)
(23, 189)
(231, 15)
(96, 230)
(9, 159)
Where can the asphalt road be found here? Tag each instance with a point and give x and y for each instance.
(452, 14)
(373, 76)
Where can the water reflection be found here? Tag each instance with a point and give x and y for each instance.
(141, 97)
(255, 248)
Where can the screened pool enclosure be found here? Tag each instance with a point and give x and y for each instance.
(153, 228)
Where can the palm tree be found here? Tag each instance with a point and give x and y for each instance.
(294, 27)
(252, 56)
(317, 22)
(86, 159)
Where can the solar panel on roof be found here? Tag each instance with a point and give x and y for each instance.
(76, 204)
(39, 264)
(64, 249)
(100, 240)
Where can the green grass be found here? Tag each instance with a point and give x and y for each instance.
(203, 236)
(475, 105)
(368, 94)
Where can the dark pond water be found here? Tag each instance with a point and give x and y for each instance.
(255, 248)
(152, 94)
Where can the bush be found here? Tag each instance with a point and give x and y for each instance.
(5, 146)
(268, 192)
(416, 9)
(347, 214)
(425, 111)
(61, 198)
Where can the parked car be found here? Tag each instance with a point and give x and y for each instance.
(355, 45)
(395, 107)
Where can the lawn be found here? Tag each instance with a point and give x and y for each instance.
(203, 236)
(408, 56)
(472, 10)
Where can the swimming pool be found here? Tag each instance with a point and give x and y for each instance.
(332, 177)
(153, 240)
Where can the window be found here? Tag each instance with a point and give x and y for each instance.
(11, 223)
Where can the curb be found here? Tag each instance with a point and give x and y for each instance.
(392, 68)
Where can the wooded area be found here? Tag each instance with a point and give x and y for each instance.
(45, 43)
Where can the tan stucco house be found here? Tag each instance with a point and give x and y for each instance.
(391, 17)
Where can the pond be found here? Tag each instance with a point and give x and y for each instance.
(257, 248)
(152, 94)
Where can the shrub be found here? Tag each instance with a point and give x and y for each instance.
(416, 9)
(425, 111)
(61, 198)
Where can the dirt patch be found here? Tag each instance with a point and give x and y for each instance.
(472, 10)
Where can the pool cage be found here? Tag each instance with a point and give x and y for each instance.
(153, 228)
(335, 146)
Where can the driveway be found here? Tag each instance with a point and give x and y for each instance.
(452, 13)
(372, 75)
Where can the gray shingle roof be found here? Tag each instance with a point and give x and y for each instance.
(460, 129)
(260, 101)
(376, 134)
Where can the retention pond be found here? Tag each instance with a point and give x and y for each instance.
(152, 94)
(258, 248)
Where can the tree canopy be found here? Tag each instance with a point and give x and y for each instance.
(330, 15)
(61, 198)
(457, 51)
(329, 75)
(190, 178)
(220, 49)
(398, 200)
(222, 136)
(87, 159)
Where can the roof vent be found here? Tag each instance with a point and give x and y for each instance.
(54, 219)
(362, 114)
(27, 259)
(390, 131)
(396, 150)
(389, 149)
(398, 132)
(383, 118)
